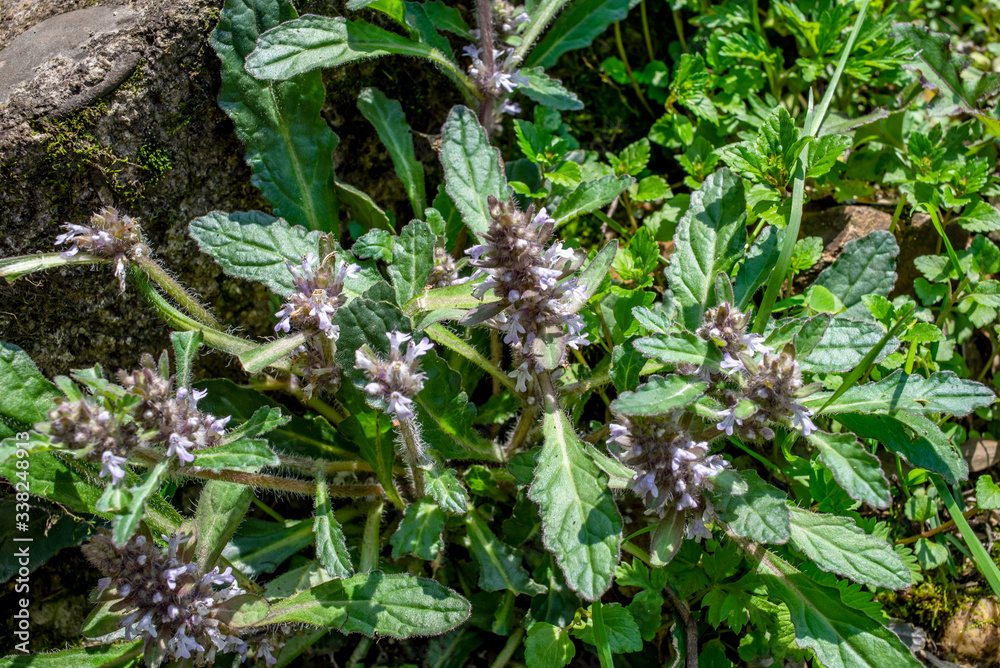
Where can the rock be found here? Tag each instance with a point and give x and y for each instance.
(115, 106)
(840, 224)
(981, 453)
(972, 634)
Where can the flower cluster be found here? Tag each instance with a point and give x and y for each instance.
(727, 329)
(319, 293)
(171, 602)
(769, 396)
(399, 379)
(498, 83)
(93, 432)
(445, 270)
(672, 469)
(173, 419)
(110, 235)
(528, 278)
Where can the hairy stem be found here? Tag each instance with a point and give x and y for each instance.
(484, 19)
(521, 430)
(513, 642)
(408, 431)
(370, 540)
(175, 290)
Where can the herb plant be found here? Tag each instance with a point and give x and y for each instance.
(520, 446)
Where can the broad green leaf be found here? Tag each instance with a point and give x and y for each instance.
(372, 433)
(591, 276)
(659, 395)
(447, 416)
(126, 522)
(413, 260)
(374, 245)
(548, 646)
(289, 145)
(116, 655)
(471, 168)
(930, 553)
(446, 490)
(626, 366)
(311, 42)
(447, 18)
(186, 346)
(390, 122)
(623, 632)
(398, 606)
(942, 392)
(844, 344)
(331, 551)
(709, 239)
(580, 523)
(590, 195)
(759, 514)
(364, 210)
(576, 28)
(865, 266)
(836, 544)
(840, 636)
(979, 216)
(666, 539)
(987, 493)
(263, 420)
(548, 92)
(420, 532)
(255, 246)
(680, 348)
(304, 577)
(933, 452)
(261, 546)
(27, 397)
(650, 189)
(945, 72)
(365, 322)
(757, 266)
(853, 467)
(221, 508)
(499, 564)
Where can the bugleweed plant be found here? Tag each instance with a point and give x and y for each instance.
(522, 448)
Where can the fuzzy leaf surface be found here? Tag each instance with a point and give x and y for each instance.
(941, 392)
(853, 467)
(471, 168)
(865, 266)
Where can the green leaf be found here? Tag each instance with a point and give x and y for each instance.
(372, 432)
(420, 532)
(446, 490)
(126, 522)
(186, 346)
(680, 348)
(757, 266)
(823, 153)
(659, 395)
(471, 168)
(548, 646)
(260, 547)
(398, 606)
(311, 42)
(626, 366)
(221, 508)
(364, 211)
(759, 514)
(942, 392)
(413, 260)
(374, 245)
(836, 545)
(331, 551)
(499, 564)
(946, 72)
(651, 189)
(844, 344)
(865, 266)
(666, 539)
(255, 246)
(933, 452)
(979, 216)
(854, 469)
(289, 145)
(840, 636)
(116, 655)
(568, 174)
(548, 92)
(576, 29)
(590, 195)
(390, 122)
(580, 523)
(930, 553)
(623, 632)
(709, 238)
(987, 493)
(591, 276)
(27, 397)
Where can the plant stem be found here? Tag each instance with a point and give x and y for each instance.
(513, 642)
(484, 18)
(982, 558)
(628, 69)
(679, 27)
(408, 431)
(521, 430)
(645, 30)
(175, 290)
(690, 625)
(446, 338)
(266, 509)
(896, 215)
(370, 540)
(601, 636)
(971, 512)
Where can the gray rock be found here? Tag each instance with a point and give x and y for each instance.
(115, 105)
